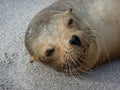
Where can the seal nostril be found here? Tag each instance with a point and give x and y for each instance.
(50, 52)
(75, 40)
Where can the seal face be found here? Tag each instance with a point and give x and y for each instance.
(59, 40)
(61, 43)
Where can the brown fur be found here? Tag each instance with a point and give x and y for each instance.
(95, 22)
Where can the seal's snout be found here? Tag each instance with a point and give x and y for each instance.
(75, 40)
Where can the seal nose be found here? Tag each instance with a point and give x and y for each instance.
(75, 40)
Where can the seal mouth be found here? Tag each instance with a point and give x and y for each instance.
(75, 59)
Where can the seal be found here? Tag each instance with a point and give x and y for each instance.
(74, 36)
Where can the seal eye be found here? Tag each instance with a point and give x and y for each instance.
(50, 52)
(70, 21)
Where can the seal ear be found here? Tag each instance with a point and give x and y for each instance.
(68, 11)
(33, 58)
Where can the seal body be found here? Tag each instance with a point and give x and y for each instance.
(75, 35)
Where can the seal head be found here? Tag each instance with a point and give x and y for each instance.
(61, 42)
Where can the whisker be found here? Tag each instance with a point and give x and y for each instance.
(74, 62)
(86, 61)
(75, 78)
(70, 71)
(80, 66)
(83, 77)
(77, 75)
(83, 53)
(77, 60)
(66, 66)
(66, 69)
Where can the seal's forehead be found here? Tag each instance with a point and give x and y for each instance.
(48, 33)
(56, 27)
(50, 29)
(53, 27)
